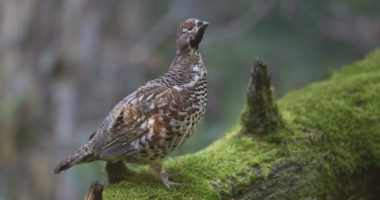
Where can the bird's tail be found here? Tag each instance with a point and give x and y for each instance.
(83, 154)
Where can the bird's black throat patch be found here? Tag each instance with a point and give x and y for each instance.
(198, 38)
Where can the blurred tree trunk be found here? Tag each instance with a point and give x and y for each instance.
(50, 50)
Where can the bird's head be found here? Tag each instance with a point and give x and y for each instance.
(189, 34)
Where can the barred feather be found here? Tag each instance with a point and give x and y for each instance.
(83, 154)
(159, 116)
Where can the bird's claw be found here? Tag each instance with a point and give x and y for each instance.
(165, 180)
(171, 174)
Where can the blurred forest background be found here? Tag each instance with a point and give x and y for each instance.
(64, 64)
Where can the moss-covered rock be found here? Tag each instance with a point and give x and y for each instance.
(329, 146)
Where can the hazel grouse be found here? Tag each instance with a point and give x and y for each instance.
(156, 118)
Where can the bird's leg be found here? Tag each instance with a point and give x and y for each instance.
(161, 174)
(117, 171)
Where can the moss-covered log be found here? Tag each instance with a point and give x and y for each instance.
(328, 149)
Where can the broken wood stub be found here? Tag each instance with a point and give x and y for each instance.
(95, 192)
(116, 172)
(260, 114)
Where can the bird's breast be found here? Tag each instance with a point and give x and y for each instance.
(173, 123)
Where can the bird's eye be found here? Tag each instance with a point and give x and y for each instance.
(190, 28)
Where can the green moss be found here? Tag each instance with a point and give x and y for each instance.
(331, 130)
(337, 123)
(219, 169)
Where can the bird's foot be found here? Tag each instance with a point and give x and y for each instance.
(162, 175)
(165, 180)
(171, 174)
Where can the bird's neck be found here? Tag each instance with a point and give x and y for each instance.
(187, 58)
(187, 69)
(187, 51)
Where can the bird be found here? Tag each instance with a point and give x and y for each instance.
(156, 118)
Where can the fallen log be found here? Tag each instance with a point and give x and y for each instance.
(321, 142)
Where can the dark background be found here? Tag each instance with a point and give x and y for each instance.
(64, 64)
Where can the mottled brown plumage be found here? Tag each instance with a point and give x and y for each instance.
(159, 116)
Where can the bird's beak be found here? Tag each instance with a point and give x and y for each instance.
(203, 24)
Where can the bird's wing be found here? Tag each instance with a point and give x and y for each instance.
(129, 120)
